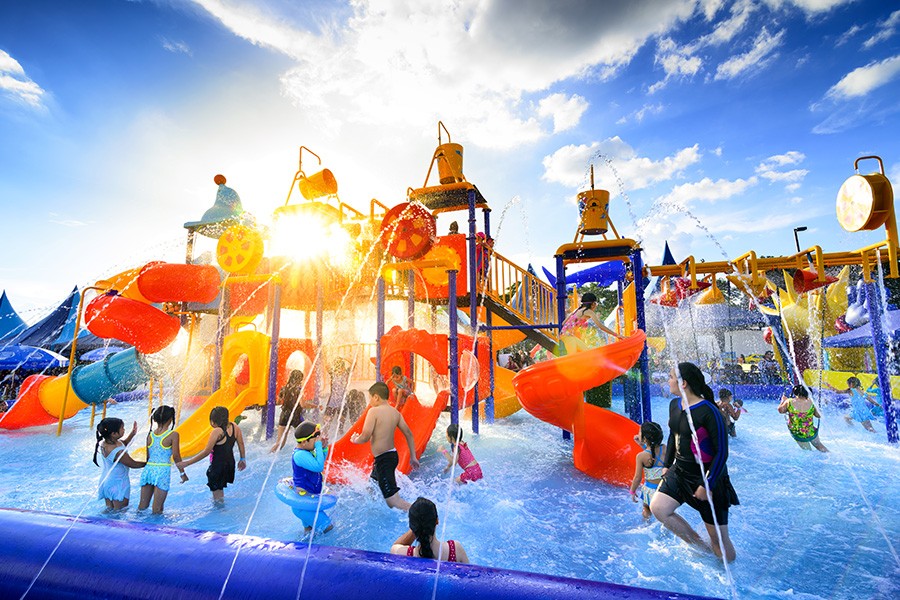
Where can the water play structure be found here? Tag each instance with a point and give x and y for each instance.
(321, 254)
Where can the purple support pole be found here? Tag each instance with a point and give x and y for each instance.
(379, 326)
(880, 342)
(473, 298)
(221, 325)
(641, 413)
(561, 309)
(411, 317)
(453, 340)
(273, 362)
(320, 313)
(489, 401)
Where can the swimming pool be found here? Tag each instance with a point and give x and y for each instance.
(801, 512)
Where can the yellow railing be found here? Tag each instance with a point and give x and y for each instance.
(520, 292)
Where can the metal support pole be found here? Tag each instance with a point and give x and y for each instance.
(642, 413)
(273, 361)
(453, 339)
(561, 311)
(379, 326)
(880, 342)
(222, 324)
(489, 401)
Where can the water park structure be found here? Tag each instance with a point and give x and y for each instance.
(322, 257)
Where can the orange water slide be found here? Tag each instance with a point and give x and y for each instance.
(553, 391)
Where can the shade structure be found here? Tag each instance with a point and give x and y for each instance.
(861, 337)
(29, 358)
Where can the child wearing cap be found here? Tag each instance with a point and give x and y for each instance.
(308, 459)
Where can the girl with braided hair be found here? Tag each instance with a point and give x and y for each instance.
(423, 521)
(115, 485)
(649, 465)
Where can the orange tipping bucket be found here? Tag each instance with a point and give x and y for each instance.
(806, 281)
(450, 163)
(317, 185)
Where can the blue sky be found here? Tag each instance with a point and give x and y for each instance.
(115, 115)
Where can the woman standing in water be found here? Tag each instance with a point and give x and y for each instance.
(694, 469)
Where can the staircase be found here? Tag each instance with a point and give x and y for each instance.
(519, 297)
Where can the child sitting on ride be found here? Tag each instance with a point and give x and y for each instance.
(801, 415)
(648, 465)
(401, 387)
(584, 324)
(464, 457)
(162, 449)
(115, 484)
(423, 521)
(861, 403)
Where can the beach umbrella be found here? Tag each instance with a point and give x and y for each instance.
(30, 358)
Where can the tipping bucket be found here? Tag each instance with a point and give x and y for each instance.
(806, 281)
(594, 208)
(318, 184)
(450, 162)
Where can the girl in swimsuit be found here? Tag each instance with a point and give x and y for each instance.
(649, 465)
(861, 404)
(801, 415)
(115, 485)
(423, 520)
(464, 457)
(162, 449)
(220, 449)
(583, 323)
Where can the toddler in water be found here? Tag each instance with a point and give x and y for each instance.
(649, 465)
(464, 458)
(221, 446)
(162, 449)
(115, 485)
(860, 404)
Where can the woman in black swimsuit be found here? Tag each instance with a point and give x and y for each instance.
(692, 469)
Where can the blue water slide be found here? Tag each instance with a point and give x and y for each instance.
(166, 562)
(120, 372)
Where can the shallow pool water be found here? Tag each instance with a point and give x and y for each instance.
(809, 525)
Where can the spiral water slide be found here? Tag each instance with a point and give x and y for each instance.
(125, 313)
(553, 391)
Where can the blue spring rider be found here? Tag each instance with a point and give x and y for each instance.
(304, 505)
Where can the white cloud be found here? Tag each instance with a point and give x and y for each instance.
(469, 62)
(769, 169)
(566, 111)
(792, 157)
(676, 62)
(639, 114)
(177, 47)
(706, 190)
(15, 83)
(615, 163)
(758, 56)
(886, 30)
(862, 80)
(845, 37)
(810, 7)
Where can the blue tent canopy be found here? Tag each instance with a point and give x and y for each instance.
(29, 358)
(10, 321)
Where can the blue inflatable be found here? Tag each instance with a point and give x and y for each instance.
(304, 505)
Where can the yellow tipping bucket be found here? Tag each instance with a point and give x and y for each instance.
(317, 185)
(594, 207)
(450, 162)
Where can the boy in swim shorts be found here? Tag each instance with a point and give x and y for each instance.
(378, 429)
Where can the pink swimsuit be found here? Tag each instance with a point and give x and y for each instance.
(452, 551)
(471, 468)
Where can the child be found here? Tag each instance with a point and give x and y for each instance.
(649, 464)
(221, 445)
(115, 485)
(308, 461)
(356, 405)
(340, 378)
(162, 448)
(423, 521)
(401, 387)
(730, 413)
(859, 404)
(801, 413)
(465, 459)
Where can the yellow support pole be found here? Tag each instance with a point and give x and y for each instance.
(62, 411)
